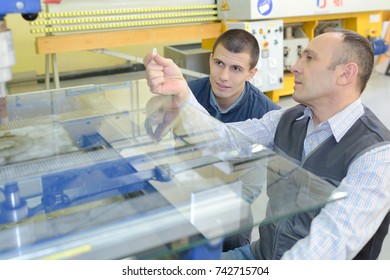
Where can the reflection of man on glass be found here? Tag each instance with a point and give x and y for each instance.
(330, 133)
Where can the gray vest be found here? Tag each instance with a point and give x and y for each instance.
(330, 162)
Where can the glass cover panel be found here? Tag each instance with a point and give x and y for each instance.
(81, 178)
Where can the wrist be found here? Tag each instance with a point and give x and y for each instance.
(183, 95)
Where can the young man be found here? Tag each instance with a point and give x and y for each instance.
(227, 93)
(330, 133)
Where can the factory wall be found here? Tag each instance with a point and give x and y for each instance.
(28, 62)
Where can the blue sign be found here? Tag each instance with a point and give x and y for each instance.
(19, 7)
(264, 7)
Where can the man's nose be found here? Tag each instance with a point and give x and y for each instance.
(295, 68)
(224, 75)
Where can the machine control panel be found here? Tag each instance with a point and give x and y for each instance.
(269, 34)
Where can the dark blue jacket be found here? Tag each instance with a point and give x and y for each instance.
(253, 103)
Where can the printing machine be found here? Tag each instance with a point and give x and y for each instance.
(81, 179)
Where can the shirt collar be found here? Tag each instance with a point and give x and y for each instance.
(215, 105)
(343, 120)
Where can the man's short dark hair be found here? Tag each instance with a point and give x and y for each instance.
(238, 41)
(357, 49)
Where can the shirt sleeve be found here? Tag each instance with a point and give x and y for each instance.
(231, 139)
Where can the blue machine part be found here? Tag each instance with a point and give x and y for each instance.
(19, 7)
(380, 46)
(91, 141)
(78, 186)
(13, 208)
(82, 185)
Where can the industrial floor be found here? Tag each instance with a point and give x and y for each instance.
(376, 97)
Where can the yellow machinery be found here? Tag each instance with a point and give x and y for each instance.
(91, 26)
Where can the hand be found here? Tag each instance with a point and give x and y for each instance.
(161, 116)
(164, 77)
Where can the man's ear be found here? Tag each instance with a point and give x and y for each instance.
(252, 73)
(348, 74)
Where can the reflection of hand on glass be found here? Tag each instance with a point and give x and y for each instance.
(161, 116)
